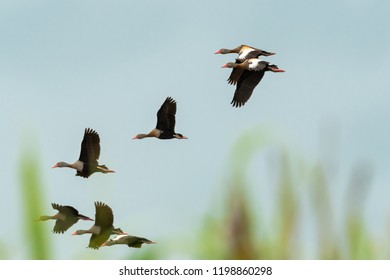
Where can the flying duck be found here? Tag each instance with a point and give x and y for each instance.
(131, 241)
(66, 217)
(244, 52)
(253, 70)
(103, 227)
(87, 163)
(165, 128)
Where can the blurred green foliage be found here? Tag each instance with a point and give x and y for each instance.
(235, 229)
(37, 243)
(241, 232)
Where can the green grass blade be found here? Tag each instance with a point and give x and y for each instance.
(37, 238)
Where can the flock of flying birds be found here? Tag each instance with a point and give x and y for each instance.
(248, 70)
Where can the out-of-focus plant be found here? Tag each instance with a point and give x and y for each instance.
(37, 239)
(303, 216)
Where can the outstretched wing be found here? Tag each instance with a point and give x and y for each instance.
(236, 74)
(62, 226)
(104, 218)
(70, 215)
(67, 210)
(245, 86)
(90, 146)
(248, 52)
(136, 242)
(166, 115)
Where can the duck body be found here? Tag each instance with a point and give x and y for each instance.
(65, 218)
(90, 168)
(87, 164)
(103, 227)
(166, 121)
(244, 52)
(251, 73)
(129, 240)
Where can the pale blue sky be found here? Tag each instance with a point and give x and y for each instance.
(68, 65)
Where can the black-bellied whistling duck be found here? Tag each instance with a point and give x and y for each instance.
(253, 72)
(87, 163)
(103, 227)
(244, 52)
(66, 217)
(165, 128)
(131, 241)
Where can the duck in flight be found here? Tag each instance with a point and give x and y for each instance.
(103, 227)
(166, 120)
(87, 164)
(66, 217)
(244, 52)
(129, 240)
(253, 70)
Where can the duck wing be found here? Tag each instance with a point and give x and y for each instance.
(90, 147)
(248, 52)
(70, 218)
(245, 86)
(235, 74)
(166, 115)
(104, 219)
(136, 242)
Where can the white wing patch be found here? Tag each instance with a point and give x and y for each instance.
(254, 64)
(244, 53)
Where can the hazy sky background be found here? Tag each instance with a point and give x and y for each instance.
(109, 65)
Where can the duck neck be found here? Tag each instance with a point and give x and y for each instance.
(45, 218)
(141, 136)
(236, 50)
(82, 231)
(78, 165)
(93, 230)
(154, 133)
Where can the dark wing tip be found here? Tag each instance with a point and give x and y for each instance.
(58, 231)
(100, 204)
(56, 206)
(231, 82)
(90, 131)
(236, 103)
(170, 100)
(265, 53)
